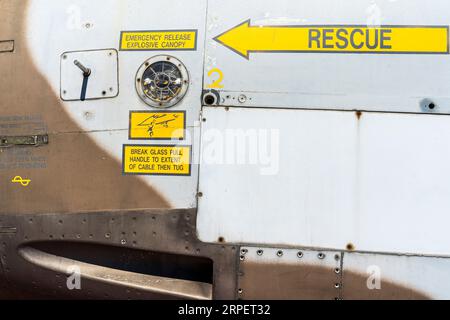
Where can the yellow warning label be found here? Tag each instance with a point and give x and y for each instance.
(383, 39)
(157, 125)
(158, 40)
(157, 160)
(245, 39)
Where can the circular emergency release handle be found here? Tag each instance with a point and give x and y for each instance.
(162, 81)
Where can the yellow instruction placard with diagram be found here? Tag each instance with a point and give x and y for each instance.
(158, 40)
(157, 160)
(157, 125)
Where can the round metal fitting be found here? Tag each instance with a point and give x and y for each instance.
(211, 98)
(260, 252)
(242, 98)
(300, 254)
(280, 253)
(321, 256)
(162, 81)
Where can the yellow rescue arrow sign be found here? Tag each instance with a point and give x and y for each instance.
(245, 38)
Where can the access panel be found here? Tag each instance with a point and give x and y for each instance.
(322, 54)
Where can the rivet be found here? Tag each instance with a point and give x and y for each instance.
(337, 270)
(300, 254)
(321, 256)
(242, 258)
(242, 98)
(337, 285)
(280, 253)
(260, 252)
(240, 291)
(123, 242)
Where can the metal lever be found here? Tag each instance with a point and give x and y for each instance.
(86, 71)
(86, 74)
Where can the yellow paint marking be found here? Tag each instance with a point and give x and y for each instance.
(157, 160)
(244, 39)
(157, 125)
(23, 182)
(217, 84)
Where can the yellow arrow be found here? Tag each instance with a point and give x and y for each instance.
(245, 38)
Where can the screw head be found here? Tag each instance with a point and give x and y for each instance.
(242, 98)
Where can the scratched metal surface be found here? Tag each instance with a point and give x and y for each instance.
(329, 179)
